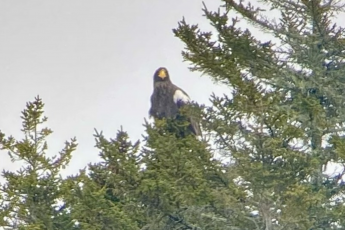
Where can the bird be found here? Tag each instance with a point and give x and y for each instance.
(167, 99)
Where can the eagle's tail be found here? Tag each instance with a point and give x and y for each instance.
(195, 127)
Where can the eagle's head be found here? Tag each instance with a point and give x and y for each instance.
(161, 74)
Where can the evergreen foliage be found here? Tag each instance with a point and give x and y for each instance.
(280, 126)
(285, 112)
(29, 197)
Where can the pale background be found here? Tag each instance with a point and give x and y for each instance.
(92, 64)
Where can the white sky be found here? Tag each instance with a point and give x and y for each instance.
(92, 63)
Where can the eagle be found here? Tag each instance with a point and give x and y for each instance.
(167, 99)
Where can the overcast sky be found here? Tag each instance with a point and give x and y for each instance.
(92, 63)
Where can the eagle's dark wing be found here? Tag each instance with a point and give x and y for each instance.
(153, 109)
(181, 98)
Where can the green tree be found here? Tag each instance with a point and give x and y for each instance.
(29, 196)
(280, 126)
(283, 122)
(177, 177)
(104, 197)
(157, 186)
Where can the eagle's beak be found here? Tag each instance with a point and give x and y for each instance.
(162, 74)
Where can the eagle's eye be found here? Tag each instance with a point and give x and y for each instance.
(162, 73)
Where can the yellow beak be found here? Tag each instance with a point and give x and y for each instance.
(162, 74)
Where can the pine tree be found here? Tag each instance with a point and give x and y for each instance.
(282, 123)
(280, 126)
(157, 186)
(176, 176)
(29, 197)
(104, 196)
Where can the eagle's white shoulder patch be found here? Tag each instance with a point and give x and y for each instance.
(180, 96)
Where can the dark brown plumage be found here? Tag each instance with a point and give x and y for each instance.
(167, 99)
